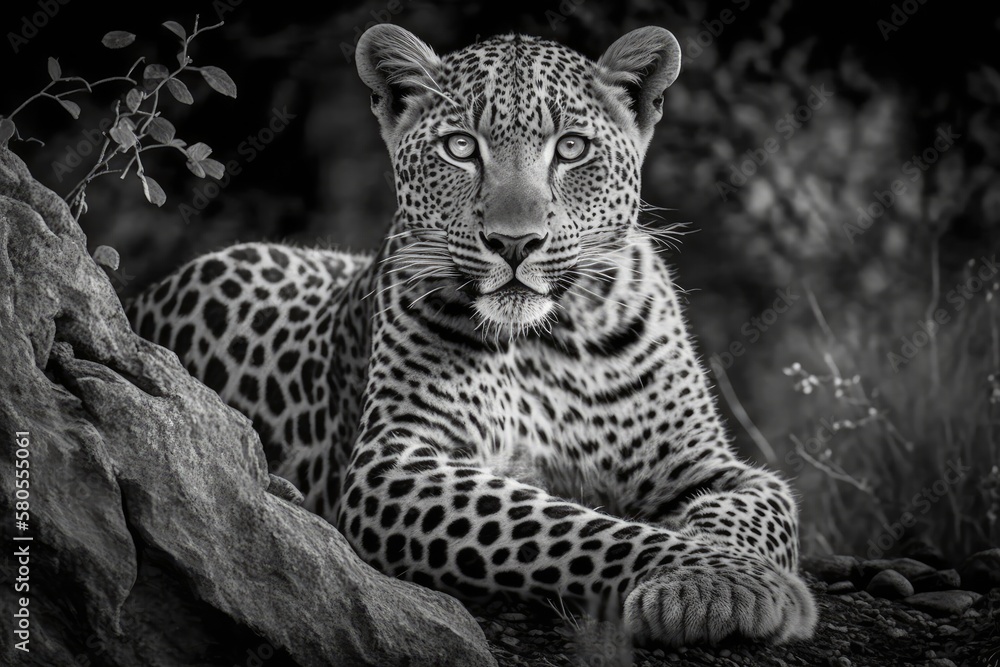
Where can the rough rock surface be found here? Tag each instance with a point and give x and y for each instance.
(155, 541)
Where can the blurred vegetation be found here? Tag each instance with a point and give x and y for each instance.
(833, 101)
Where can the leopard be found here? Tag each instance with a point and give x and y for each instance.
(504, 398)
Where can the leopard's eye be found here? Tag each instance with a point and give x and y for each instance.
(571, 147)
(460, 146)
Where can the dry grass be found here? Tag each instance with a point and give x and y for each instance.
(896, 447)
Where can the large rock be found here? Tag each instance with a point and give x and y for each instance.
(155, 541)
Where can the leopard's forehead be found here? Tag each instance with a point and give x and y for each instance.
(514, 91)
(516, 66)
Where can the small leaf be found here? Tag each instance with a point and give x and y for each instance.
(161, 129)
(178, 144)
(133, 99)
(179, 91)
(6, 130)
(196, 168)
(155, 73)
(55, 71)
(176, 28)
(219, 80)
(107, 256)
(129, 135)
(117, 39)
(123, 135)
(199, 151)
(182, 59)
(213, 168)
(154, 193)
(72, 107)
(127, 122)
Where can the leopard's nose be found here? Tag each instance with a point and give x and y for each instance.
(514, 249)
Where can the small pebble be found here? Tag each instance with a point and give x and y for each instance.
(907, 567)
(890, 584)
(943, 603)
(947, 629)
(512, 616)
(841, 587)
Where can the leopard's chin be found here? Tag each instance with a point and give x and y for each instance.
(513, 311)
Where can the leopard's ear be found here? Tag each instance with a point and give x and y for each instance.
(393, 63)
(643, 63)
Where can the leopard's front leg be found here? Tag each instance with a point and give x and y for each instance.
(743, 511)
(665, 460)
(447, 523)
(421, 502)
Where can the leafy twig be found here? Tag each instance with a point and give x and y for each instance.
(142, 120)
(138, 126)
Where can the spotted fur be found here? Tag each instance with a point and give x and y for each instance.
(512, 357)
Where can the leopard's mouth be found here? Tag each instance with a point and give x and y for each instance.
(514, 285)
(513, 307)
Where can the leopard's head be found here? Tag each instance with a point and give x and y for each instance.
(517, 160)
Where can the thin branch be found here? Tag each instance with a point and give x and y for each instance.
(741, 414)
(830, 472)
(929, 315)
(818, 314)
(31, 99)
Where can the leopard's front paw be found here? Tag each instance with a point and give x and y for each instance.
(678, 605)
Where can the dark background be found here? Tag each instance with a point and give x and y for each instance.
(911, 444)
